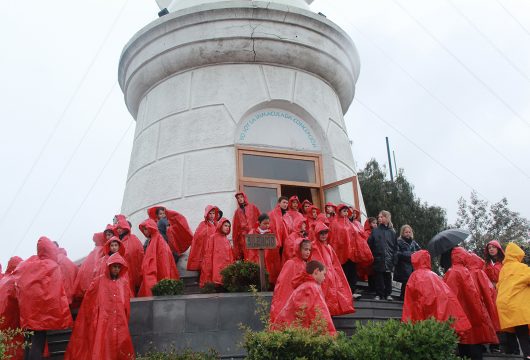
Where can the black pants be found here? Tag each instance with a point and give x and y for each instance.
(522, 335)
(474, 352)
(350, 270)
(509, 343)
(38, 340)
(403, 288)
(383, 283)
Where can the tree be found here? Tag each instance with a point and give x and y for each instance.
(491, 222)
(398, 197)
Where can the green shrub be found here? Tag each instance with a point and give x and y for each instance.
(210, 288)
(11, 340)
(179, 355)
(167, 287)
(241, 275)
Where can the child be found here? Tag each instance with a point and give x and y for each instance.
(513, 296)
(293, 214)
(291, 269)
(101, 329)
(204, 230)
(307, 298)
(218, 254)
(158, 260)
(290, 249)
(273, 259)
(428, 296)
(336, 290)
(244, 218)
(134, 253)
(306, 205)
(312, 216)
(494, 255)
(331, 210)
(406, 246)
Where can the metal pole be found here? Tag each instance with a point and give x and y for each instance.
(395, 163)
(264, 286)
(389, 160)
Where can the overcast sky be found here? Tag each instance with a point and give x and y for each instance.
(447, 81)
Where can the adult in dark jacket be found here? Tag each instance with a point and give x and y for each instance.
(406, 246)
(383, 244)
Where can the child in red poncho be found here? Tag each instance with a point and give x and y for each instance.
(245, 216)
(290, 248)
(134, 253)
(306, 305)
(101, 329)
(158, 260)
(292, 214)
(204, 230)
(291, 269)
(218, 254)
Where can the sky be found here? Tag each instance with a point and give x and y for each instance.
(447, 81)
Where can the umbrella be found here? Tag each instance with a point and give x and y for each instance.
(446, 240)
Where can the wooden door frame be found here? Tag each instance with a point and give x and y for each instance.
(355, 183)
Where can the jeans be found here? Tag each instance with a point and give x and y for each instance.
(383, 283)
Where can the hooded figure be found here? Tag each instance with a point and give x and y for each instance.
(279, 228)
(335, 287)
(485, 287)
(205, 229)
(86, 271)
(245, 216)
(290, 249)
(290, 270)
(218, 254)
(461, 283)
(330, 210)
(69, 271)
(493, 265)
(158, 261)
(101, 329)
(428, 296)
(312, 216)
(9, 311)
(178, 233)
(134, 254)
(101, 268)
(293, 214)
(307, 297)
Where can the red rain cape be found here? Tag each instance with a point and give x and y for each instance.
(428, 296)
(291, 216)
(40, 290)
(290, 249)
(202, 233)
(179, 235)
(307, 298)
(493, 269)
(101, 330)
(272, 257)
(218, 254)
(158, 261)
(242, 223)
(335, 287)
(461, 283)
(284, 285)
(273, 261)
(134, 255)
(485, 287)
(101, 266)
(311, 222)
(69, 271)
(9, 311)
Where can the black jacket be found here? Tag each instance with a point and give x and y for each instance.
(383, 243)
(405, 248)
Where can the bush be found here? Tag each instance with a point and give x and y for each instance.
(210, 288)
(391, 339)
(176, 355)
(168, 287)
(241, 275)
(11, 342)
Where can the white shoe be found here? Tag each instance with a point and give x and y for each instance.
(377, 298)
(389, 298)
(356, 296)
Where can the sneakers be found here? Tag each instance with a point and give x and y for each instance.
(377, 298)
(356, 296)
(389, 298)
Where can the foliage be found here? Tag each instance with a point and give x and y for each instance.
(240, 276)
(168, 287)
(491, 222)
(398, 197)
(391, 339)
(179, 355)
(209, 288)
(11, 341)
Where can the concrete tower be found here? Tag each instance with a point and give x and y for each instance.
(238, 95)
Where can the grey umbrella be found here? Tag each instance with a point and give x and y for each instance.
(446, 240)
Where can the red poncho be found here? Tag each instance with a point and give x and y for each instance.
(179, 235)
(428, 296)
(284, 285)
(9, 311)
(134, 255)
(335, 287)
(461, 283)
(158, 261)
(101, 329)
(201, 235)
(244, 220)
(86, 271)
(40, 290)
(290, 249)
(333, 215)
(69, 271)
(307, 297)
(218, 254)
(485, 287)
(273, 261)
(273, 257)
(493, 269)
(321, 218)
(101, 266)
(292, 215)
(311, 221)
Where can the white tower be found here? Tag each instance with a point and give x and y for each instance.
(238, 95)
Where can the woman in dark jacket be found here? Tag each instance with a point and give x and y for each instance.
(406, 246)
(383, 244)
